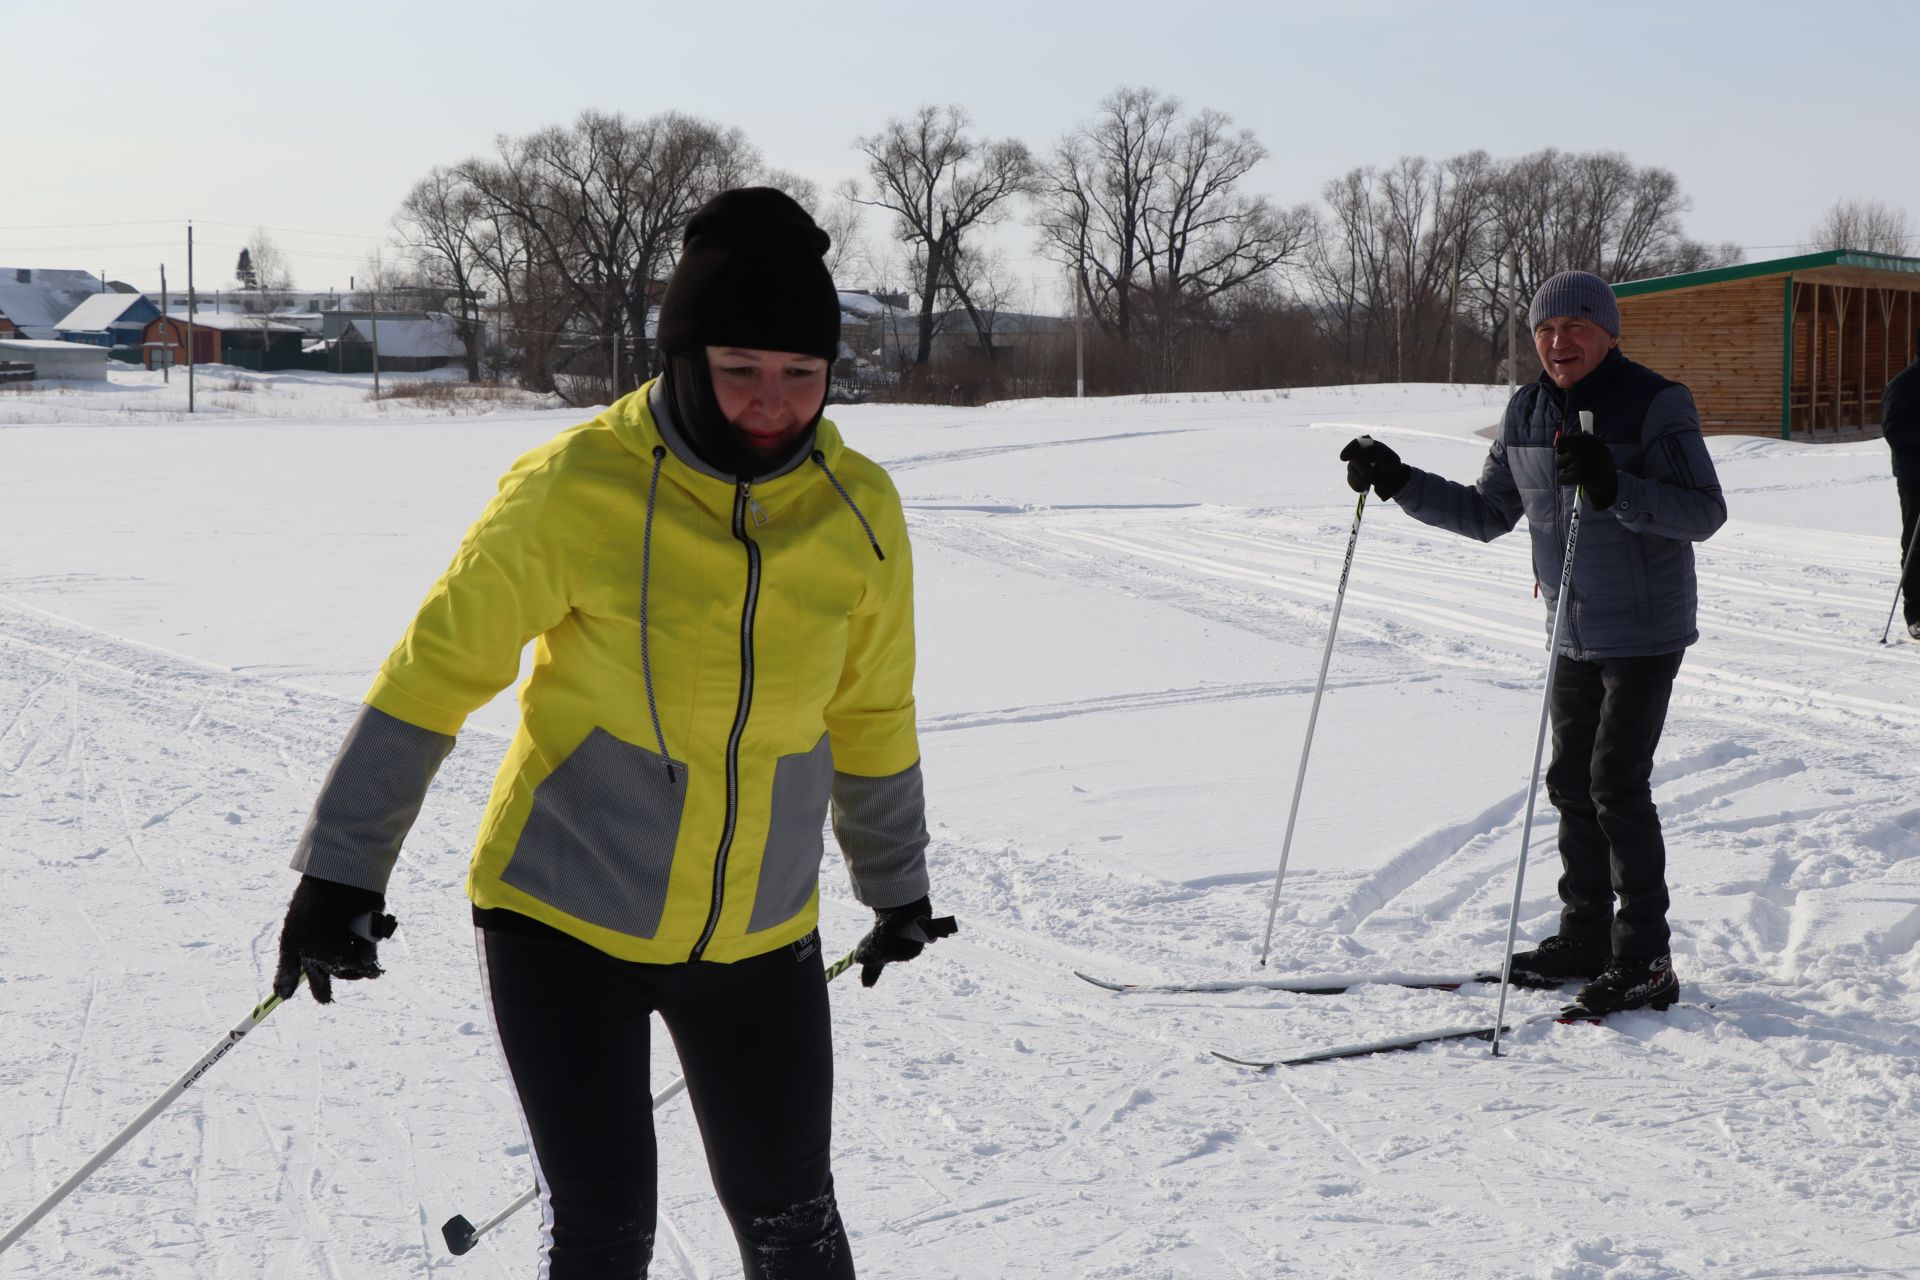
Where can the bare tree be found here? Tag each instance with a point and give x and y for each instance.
(273, 280)
(270, 269)
(838, 215)
(1143, 206)
(1408, 257)
(1864, 225)
(940, 184)
(577, 227)
(1389, 266)
(437, 224)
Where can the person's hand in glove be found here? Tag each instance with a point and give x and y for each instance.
(898, 934)
(329, 933)
(1371, 463)
(1585, 460)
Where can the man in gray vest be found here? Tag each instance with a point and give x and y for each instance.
(1900, 423)
(1650, 494)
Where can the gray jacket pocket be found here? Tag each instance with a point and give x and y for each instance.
(790, 867)
(599, 842)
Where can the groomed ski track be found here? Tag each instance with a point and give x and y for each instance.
(996, 1115)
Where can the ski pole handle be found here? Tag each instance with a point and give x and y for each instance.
(165, 1100)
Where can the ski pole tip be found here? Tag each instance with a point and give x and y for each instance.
(459, 1234)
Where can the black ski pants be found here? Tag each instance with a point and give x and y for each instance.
(1607, 716)
(755, 1041)
(1906, 478)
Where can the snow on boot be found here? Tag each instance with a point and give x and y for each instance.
(1559, 958)
(1629, 984)
(1913, 629)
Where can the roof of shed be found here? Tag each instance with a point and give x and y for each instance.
(1772, 267)
(229, 323)
(410, 338)
(101, 310)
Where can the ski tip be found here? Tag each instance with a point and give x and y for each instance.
(459, 1235)
(1103, 983)
(1242, 1062)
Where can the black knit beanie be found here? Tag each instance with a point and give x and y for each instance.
(751, 275)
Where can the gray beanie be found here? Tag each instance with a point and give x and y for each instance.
(1576, 293)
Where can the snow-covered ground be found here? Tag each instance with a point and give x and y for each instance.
(1122, 606)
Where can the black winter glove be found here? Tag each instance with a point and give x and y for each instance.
(1585, 460)
(899, 933)
(329, 933)
(1371, 463)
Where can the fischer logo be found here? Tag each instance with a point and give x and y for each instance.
(233, 1038)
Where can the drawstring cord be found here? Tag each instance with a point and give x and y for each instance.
(646, 581)
(820, 461)
(646, 575)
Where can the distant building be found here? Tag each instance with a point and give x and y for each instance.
(108, 320)
(33, 300)
(1801, 348)
(251, 342)
(408, 343)
(56, 361)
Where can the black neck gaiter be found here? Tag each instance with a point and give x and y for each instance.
(713, 439)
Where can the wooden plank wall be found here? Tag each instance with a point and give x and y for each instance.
(1723, 341)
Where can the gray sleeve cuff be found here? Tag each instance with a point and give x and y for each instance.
(881, 824)
(369, 800)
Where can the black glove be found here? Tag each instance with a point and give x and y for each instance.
(899, 933)
(1585, 460)
(1371, 463)
(329, 933)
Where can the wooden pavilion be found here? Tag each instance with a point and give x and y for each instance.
(1799, 348)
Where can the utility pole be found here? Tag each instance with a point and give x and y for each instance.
(1513, 345)
(190, 305)
(1079, 346)
(166, 353)
(373, 301)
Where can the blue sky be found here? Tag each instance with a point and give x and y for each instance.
(313, 120)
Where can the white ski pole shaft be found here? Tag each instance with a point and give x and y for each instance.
(165, 1100)
(1906, 557)
(1313, 715)
(462, 1235)
(1539, 746)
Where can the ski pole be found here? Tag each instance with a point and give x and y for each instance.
(180, 1086)
(462, 1235)
(1313, 714)
(1539, 745)
(1906, 557)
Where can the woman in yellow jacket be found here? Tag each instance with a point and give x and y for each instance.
(719, 595)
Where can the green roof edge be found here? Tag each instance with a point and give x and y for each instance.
(1771, 267)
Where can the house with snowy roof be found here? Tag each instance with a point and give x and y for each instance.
(108, 320)
(251, 342)
(33, 300)
(407, 343)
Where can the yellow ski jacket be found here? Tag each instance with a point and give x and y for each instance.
(714, 664)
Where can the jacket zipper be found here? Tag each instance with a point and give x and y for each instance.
(743, 501)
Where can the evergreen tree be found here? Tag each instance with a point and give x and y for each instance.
(243, 270)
